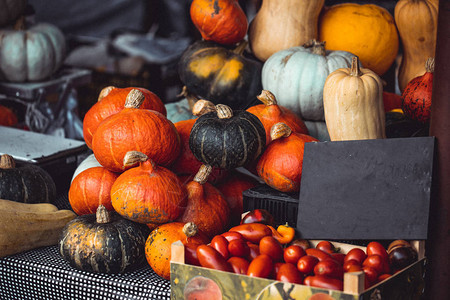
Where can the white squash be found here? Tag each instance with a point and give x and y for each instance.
(88, 162)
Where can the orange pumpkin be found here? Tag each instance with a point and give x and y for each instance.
(270, 113)
(148, 193)
(147, 131)
(111, 100)
(280, 166)
(221, 21)
(206, 206)
(159, 242)
(91, 188)
(7, 117)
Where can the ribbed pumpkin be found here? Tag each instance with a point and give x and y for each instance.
(221, 21)
(280, 166)
(416, 22)
(206, 206)
(221, 75)
(111, 100)
(368, 31)
(147, 131)
(159, 242)
(91, 188)
(416, 98)
(225, 138)
(270, 113)
(7, 116)
(10, 10)
(103, 242)
(296, 77)
(148, 193)
(353, 101)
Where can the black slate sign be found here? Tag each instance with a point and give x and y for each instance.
(366, 189)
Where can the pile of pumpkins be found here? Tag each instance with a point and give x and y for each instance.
(257, 101)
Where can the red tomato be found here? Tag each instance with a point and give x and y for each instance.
(324, 282)
(293, 253)
(270, 246)
(330, 268)
(354, 268)
(376, 262)
(238, 247)
(378, 249)
(276, 268)
(190, 254)
(239, 265)
(254, 251)
(307, 263)
(258, 216)
(350, 263)
(320, 254)
(289, 273)
(220, 243)
(232, 235)
(383, 277)
(212, 259)
(326, 246)
(356, 254)
(371, 274)
(339, 257)
(252, 232)
(261, 266)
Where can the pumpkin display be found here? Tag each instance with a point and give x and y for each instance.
(159, 242)
(32, 54)
(206, 206)
(7, 117)
(225, 138)
(10, 10)
(353, 102)
(111, 100)
(103, 242)
(148, 193)
(270, 113)
(280, 166)
(416, 22)
(147, 131)
(366, 30)
(296, 77)
(220, 74)
(91, 188)
(27, 183)
(221, 21)
(416, 98)
(277, 27)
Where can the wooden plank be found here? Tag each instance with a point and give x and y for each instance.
(354, 282)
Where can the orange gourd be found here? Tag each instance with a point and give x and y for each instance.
(280, 166)
(148, 193)
(7, 117)
(270, 113)
(91, 188)
(144, 130)
(111, 100)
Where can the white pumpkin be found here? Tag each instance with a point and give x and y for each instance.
(88, 162)
(10, 10)
(296, 77)
(318, 130)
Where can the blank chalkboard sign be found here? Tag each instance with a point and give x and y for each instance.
(366, 189)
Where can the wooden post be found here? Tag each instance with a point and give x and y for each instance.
(438, 243)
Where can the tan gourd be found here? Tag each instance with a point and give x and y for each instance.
(280, 25)
(26, 226)
(353, 104)
(416, 22)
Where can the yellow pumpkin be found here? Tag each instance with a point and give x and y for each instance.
(367, 31)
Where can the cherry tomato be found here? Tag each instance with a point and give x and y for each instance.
(339, 257)
(376, 262)
(378, 249)
(261, 266)
(232, 235)
(239, 265)
(293, 253)
(371, 274)
(254, 251)
(270, 246)
(190, 254)
(238, 247)
(305, 244)
(321, 255)
(289, 273)
(326, 246)
(252, 232)
(324, 282)
(212, 259)
(307, 263)
(356, 254)
(220, 243)
(330, 268)
(258, 216)
(350, 263)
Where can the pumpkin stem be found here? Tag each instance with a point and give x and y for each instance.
(202, 107)
(279, 130)
(190, 229)
(20, 23)
(134, 99)
(191, 98)
(240, 48)
(354, 69)
(105, 92)
(224, 111)
(429, 65)
(203, 174)
(102, 215)
(133, 157)
(317, 47)
(7, 162)
(267, 98)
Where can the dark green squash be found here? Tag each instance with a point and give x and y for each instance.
(221, 75)
(224, 138)
(27, 183)
(103, 242)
